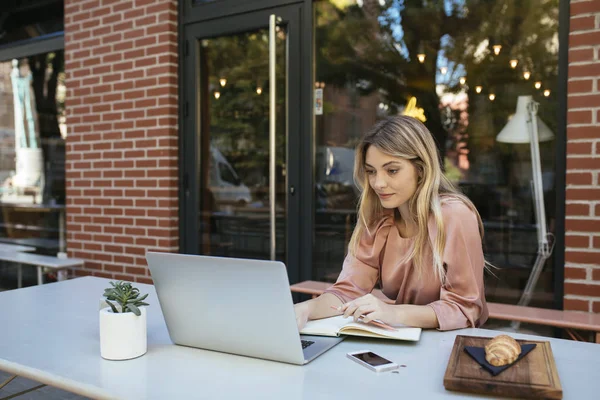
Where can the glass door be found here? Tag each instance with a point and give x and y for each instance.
(240, 182)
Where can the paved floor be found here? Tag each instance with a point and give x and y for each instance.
(46, 393)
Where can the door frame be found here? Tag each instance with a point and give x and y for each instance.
(299, 117)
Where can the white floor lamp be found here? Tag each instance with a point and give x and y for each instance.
(526, 127)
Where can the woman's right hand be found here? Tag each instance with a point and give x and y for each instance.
(318, 308)
(302, 313)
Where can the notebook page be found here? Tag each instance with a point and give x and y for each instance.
(401, 333)
(324, 327)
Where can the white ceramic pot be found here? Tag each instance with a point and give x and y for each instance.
(122, 335)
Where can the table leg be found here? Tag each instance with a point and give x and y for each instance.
(61, 232)
(6, 382)
(62, 275)
(39, 275)
(19, 276)
(12, 396)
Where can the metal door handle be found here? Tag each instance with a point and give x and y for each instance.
(273, 19)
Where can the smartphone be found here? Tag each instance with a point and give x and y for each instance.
(372, 361)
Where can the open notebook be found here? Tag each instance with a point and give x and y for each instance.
(338, 325)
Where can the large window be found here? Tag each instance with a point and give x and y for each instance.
(32, 126)
(32, 148)
(458, 66)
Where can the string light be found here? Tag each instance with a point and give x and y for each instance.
(546, 92)
(223, 82)
(478, 89)
(513, 63)
(492, 97)
(259, 90)
(497, 48)
(463, 80)
(421, 53)
(526, 75)
(538, 85)
(217, 95)
(444, 70)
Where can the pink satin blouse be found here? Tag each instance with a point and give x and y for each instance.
(459, 303)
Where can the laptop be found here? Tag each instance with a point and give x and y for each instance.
(232, 305)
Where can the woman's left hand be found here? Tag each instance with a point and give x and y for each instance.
(371, 307)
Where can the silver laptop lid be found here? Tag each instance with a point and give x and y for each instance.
(229, 305)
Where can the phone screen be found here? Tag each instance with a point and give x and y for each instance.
(371, 358)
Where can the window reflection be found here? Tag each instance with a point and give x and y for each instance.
(23, 20)
(459, 70)
(234, 180)
(32, 147)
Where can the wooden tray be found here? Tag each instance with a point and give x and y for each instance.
(533, 377)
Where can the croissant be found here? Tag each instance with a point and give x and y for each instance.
(502, 350)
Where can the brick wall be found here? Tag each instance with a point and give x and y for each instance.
(122, 145)
(582, 255)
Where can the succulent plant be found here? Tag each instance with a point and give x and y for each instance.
(126, 296)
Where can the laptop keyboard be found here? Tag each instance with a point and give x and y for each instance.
(306, 343)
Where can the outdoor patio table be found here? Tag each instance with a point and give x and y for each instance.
(50, 334)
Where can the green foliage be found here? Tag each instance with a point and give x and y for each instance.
(451, 172)
(126, 296)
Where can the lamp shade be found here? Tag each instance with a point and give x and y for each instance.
(517, 131)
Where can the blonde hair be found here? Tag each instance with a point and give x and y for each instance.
(407, 138)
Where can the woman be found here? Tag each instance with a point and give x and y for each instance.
(416, 236)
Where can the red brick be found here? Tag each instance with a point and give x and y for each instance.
(583, 163)
(581, 225)
(579, 117)
(582, 257)
(135, 270)
(582, 70)
(584, 38)
(582, 241)
(575, 273)
(583, 194)
(596, 274)
(122, 6)
(585, 101)
(580, 86)
(579, 55)
(576, 305)
(123, 277)
(596, 306)
(578, 209)
(584, 7)
(582, 289)
(112, 18)
(579, 148)
(597, 210)
(582, 23)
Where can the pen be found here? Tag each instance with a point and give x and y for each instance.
(378, 323)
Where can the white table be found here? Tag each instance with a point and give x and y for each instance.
(40, 261)
(50, 334)
(14, 248)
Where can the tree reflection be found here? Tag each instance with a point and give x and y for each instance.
(373, 49)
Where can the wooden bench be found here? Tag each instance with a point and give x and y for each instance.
(40, 261)
(568, 320)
